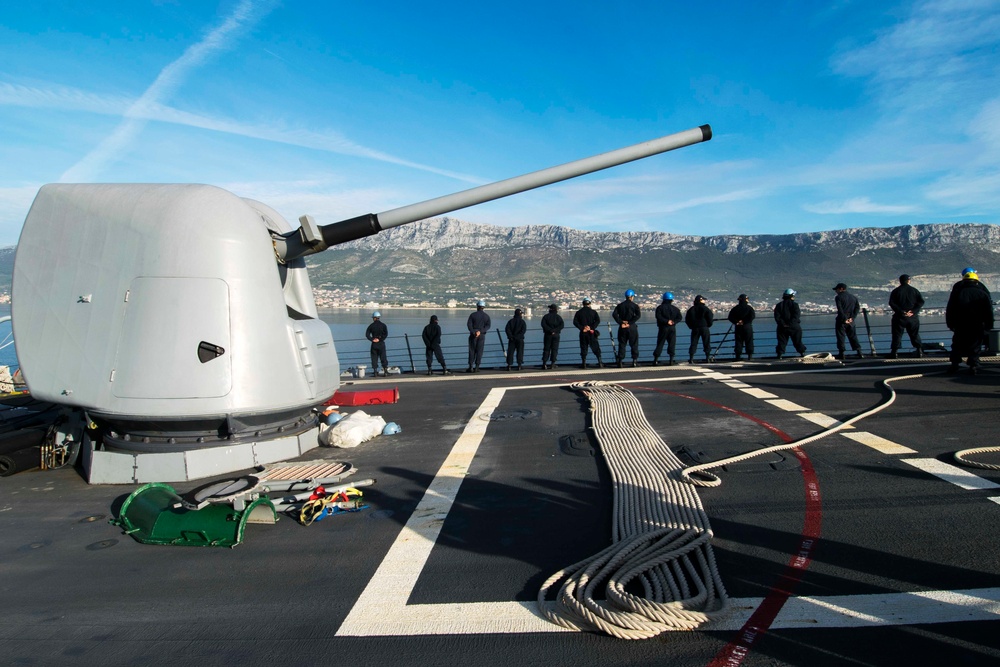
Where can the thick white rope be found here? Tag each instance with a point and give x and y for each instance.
(661, 537)
(961, 457)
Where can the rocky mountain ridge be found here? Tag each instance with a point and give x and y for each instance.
(437, 234)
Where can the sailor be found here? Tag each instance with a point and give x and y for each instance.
(847, 309)
(587, 320)
(377, 333)
(786, 314)
(667, 317)
(479, 323)
(515, 330)
(699, 318)
(432, 340)
(552, 326)
(741, 316)
(969, 315)
(905, 302)
(626, 314)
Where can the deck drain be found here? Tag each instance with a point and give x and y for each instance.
(103, 544)
(516, 413)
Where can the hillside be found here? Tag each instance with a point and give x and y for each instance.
(449, 256)
(445, 253)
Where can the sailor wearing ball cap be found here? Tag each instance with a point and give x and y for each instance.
(905, 302)
(786, 314)
(741, 316)
(626, 314)
(478, 324)
(377, 333)
(847, 309)
(587, 320)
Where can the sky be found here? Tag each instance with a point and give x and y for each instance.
(826, 115)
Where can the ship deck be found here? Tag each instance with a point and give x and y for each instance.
(869, 547)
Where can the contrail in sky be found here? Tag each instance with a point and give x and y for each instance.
(168, 81)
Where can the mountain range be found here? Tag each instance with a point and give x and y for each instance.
(446, 255)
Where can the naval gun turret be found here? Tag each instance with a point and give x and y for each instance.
(176, 323)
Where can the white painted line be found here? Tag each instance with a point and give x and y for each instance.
(716, 375)
(382, 608)
(953, 474)
(759, 393)
(735, 384)
(831, 611)
(995, 499)
(820, 419)
(855, 611)
(879, 443)
(787, 405)
(393, 582)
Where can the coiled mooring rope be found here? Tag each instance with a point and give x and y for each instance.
(661, 537)
(661, 534)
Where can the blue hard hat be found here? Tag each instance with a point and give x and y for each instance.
(629, 293)
(481, 303)
(668, 296)
(789, 292)
(376, 314)
(332, 418)
(392, 428)
(968, 270)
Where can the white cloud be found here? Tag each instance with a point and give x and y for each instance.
(76, 100)
(170, 79)
(858, 205)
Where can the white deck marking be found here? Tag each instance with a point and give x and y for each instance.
(820, 419)
(381, 610)
(393, 582)
(995, 499)
(787, 405)
(878, 443)
(953, 474)
(759, 393)
(831, 611)
(735, 384)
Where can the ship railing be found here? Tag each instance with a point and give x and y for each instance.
(407, 352)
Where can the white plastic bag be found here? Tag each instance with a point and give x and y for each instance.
(352, 430)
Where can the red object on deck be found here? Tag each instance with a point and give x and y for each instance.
(371, 397)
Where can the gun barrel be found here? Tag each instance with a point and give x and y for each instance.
(366, 225)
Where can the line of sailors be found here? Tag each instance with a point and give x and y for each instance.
(969, 314)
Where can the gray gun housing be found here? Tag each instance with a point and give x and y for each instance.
(179, 319)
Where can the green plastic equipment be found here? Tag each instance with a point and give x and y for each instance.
(155, 514)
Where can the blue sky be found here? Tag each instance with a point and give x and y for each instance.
(826, 115)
